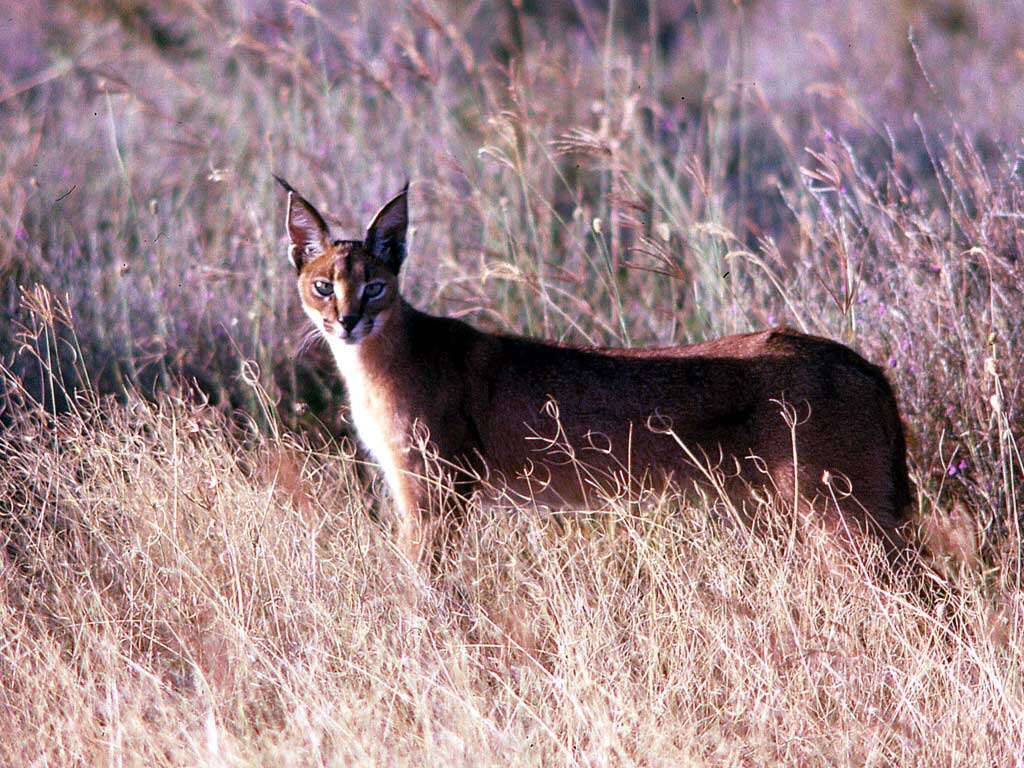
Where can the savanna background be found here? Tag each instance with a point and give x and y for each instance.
(196, 567)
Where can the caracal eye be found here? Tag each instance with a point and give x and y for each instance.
(324, 287)
(373, 290)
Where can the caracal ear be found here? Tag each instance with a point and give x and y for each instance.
(385, 237)
(307, 231)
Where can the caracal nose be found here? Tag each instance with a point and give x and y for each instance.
(348, 322)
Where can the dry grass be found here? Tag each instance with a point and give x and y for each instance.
(192, 573)
(173, 595)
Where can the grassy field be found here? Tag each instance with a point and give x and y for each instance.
(197, 565)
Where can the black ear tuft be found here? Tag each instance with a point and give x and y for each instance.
(385, 237)
(287, 187)
(307, 231)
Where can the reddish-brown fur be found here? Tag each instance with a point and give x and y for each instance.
(565, 425)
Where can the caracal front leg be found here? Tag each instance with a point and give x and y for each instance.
(412, 507)
(431, 510)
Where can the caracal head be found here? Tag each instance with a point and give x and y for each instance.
(349, 288)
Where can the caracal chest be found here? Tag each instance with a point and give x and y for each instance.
(382, 425)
